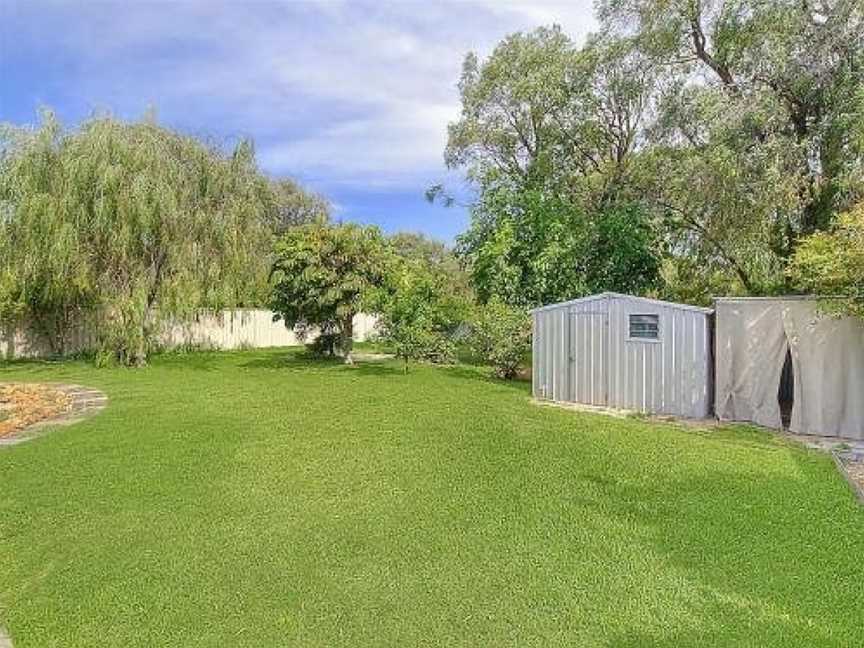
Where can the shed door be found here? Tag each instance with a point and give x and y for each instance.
(588, 357)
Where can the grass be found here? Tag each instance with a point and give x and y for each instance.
(259, 499)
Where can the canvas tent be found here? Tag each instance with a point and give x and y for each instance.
(775, 350)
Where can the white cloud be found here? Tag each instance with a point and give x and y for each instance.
(341, 92)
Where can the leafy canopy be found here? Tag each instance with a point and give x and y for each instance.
(426, 301)
(295, 206)
(322, 273)
(731, 129)
(832, 264)
(545, 133)
(129, 226)
(501, 336)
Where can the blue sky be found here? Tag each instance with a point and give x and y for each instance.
(350, 98)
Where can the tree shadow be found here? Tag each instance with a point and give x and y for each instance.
(301, 361)
(485, 375)
(36, 366)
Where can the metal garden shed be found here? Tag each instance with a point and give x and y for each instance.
(625, 352)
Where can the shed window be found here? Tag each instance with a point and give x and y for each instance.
(645, 327)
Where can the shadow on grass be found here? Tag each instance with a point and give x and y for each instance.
(742, 546)
(302, 361)
(288, 359)
(485, 375)
(39, 366)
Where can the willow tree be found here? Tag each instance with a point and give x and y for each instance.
(128, 226)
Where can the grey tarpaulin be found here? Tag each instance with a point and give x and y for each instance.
(752, 338)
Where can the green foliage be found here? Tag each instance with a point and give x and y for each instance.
(322, 273)
(127, 226)
(832, 264)
(622, 252)
(293, 205)
(529, 247)
(421, 311)
(435, 257)
(734, 128)
(501, 336)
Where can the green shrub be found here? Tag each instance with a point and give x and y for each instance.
(418, 315)
(501, 336)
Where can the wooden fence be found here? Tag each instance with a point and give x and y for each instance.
(229, 329)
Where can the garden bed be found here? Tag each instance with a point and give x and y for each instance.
(22, 405)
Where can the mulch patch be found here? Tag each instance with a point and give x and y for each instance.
(22, 405)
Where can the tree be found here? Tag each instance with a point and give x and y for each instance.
(322, 273)
(295, 206)
(546, 133)
(501, 336)
(415, 322)
(421, 309)
(755, 128)
(435, 257)
(734, 128)
(529, 247)
(130, 226)
(831, 264)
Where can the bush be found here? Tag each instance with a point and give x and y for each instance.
(501, 337)
(831, 264)
(418, 316)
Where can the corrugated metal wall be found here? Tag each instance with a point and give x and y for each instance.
(583, 354)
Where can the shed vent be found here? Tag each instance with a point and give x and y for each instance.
(645, 327)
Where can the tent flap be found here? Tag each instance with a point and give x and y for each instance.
(752, 338)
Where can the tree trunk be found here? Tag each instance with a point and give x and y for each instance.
(347, 341)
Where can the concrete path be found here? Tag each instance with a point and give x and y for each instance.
(5, 641)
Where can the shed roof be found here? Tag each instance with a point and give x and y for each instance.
(614, 295)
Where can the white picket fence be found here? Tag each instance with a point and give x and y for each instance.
(228, 329)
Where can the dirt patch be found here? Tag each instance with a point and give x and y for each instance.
(22, 405)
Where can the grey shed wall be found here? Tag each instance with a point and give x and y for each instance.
(582, 353)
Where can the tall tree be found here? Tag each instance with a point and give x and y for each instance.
(322, 274)
(754, 145)
(130, 225)
(547, 134)
(733, 125)
(434, 257)
(294, 205)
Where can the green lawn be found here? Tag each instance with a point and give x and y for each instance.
(258, 499)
